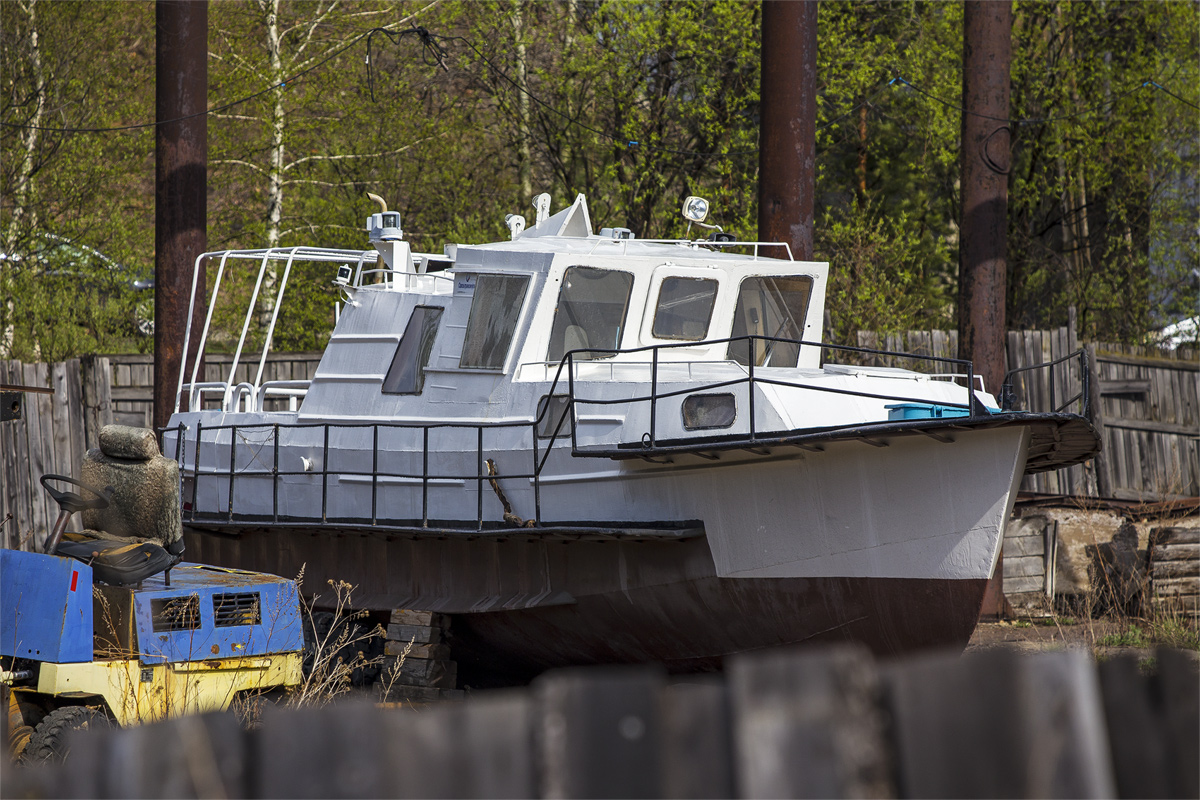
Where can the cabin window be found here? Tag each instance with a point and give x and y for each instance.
(591, 312)
(494, 310)
(554, 417)
(407, 373)
(773, 308)
(685, 307)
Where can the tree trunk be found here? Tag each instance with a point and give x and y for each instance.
(524, 159)
(270, 9)
(20, 188)
(29, 136)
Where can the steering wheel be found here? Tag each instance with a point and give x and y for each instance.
(70, 501)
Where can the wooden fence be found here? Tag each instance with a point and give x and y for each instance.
(1146, 401)
(133, 379)
(786, 723)
(56, 428)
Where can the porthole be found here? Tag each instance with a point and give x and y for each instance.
(703, 412)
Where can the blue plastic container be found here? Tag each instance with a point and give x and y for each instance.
(901, 411)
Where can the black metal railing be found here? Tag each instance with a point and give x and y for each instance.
(649, 439)
(541, 445)
(1008, 397)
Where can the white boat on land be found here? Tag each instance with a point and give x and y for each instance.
(593, 448)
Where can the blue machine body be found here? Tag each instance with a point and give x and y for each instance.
(47, 612)
(45, 607)
(211, 612)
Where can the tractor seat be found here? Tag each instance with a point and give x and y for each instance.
(117, 563)
(139, 532)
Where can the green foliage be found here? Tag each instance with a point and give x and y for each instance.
(1102, 201)
(60, 316)
(886, 276)
(1102, 194)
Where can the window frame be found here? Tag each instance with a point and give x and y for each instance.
(800, 322)
(622, 326)
(516, 319)
(394, 371)
(712, 307)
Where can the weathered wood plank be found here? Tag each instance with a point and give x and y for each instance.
(697, 748)
(61, 457)
(23, 510)
(38, 409)
(1105, 355)
(1131, 387)
(1016, 546)
(1015, 588)
(345, 743)
(128, 394)
(1039, 734)
(806, 724)
(1024, 566)
(1136, 733)
(1151, 426)
(1176, 552)
(599, 732)
(1179, 685)
(1174, 587)
(1175, 535)
(1165, 570)
(1024, 585)
(428, 618)
(75, 417)
(192, 756)
(479, 749)
(11, 495)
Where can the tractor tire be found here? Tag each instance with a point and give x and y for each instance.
(48, 742)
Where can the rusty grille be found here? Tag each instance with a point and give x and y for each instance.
(175, 614)
(230, 610)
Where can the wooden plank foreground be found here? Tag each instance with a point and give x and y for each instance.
(787, 723)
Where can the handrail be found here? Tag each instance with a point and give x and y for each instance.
(691, 243)
(196, 392)
(234, 395)
(1008, 397)
(541, 446)
(290, 389)
(263, 255)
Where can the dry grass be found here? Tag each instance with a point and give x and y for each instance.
(337, 647)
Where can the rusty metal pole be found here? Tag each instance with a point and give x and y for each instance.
(986, 139)
(787, 159)
(982, 260)
(180, 187)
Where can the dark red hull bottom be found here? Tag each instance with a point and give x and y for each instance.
(693, 626)
(524, 606)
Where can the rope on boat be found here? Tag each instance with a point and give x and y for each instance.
(509, 517)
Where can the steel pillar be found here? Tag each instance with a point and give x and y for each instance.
(180, 186)
(787, 159)
(986, 138)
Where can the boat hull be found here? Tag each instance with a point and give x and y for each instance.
(887, 543)
(694, 626)
(628, 601)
